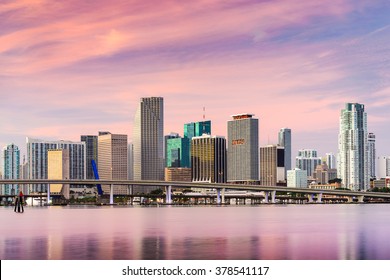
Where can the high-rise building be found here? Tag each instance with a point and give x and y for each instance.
(58, 168)
(352, 160)
(297, 178)
(112, 158)
(11, 165)
(307, 159)
(148, 139)
(243, 149)
(91, 146)
(383, 167)
(178, 152)
(130, 161)
(330, 160)
(322, 174)
(272, 169)
(37, 160)
(172, 135)
(284, 138)
(371, 155)
(195, 129)
(208, 159)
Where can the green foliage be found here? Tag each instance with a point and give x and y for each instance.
(335, 180)
(384, 190)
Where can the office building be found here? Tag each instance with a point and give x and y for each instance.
(308, 160)
(208, 159)
(352, 160)
(91, 153)
(284, 140)
(178, 174)
(130, 162)
(112, 158)
(37, 151)
(148, 139)
(11, 168)
(272, 169)
(172, 135)
(243, 149)
(322, 174)
(371, 155)
(58, 168)
(297, 178)
(383, 167)
(178, 152)
(330, 160)
(195, 129)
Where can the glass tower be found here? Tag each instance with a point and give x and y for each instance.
(11, 156)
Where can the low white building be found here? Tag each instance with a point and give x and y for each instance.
(297, 178)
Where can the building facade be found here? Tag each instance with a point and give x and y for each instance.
(195, 129)
(272, 169)
(37, 160)
(330, 160)
(297, 178)
(58, 168)
(11, 168)
(208, 159)
(308, 160)
(112, 157)
(322, 174)
(371, 155)
(243, 149)
(91, 153)
(284, 140)
(352, 159)
(148, 139)
(383, 167)
(178, 152)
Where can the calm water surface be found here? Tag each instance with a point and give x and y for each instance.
(301, 232)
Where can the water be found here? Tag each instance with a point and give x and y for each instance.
(301, 232)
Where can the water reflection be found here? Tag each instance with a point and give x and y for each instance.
(303, 233)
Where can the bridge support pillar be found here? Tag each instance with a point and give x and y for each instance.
(168, 197)
(223, 195)
(48, 195)
(360, 198)
(266, 197)
(319, 198)
(310, 197)
(111, 194)
(218, 196)
(273, 196)
(350, 199)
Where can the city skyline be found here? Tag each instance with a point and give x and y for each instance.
(73, 69)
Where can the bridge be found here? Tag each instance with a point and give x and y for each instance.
(269, 191)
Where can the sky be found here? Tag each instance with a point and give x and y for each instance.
(73, 67)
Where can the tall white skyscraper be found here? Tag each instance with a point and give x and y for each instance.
(243, 149)
(371, 155)
(11, 168)
(352, 157)
(148, 139)
(284, 140)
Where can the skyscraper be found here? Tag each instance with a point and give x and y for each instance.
(208, 159)
(178, 152)
(58, 168)
(195, 129)
(284, 138)
(112, 157)
(11, 165)
(272, 170)
(371, 155)
(91, 146)
(308, 160)
(243, 149)
(353, 148)
(383, 167)
(330, 160)
(148, 139)
(37, 159)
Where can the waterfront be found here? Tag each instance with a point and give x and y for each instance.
(300, 232)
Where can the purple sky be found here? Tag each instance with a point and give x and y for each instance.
(78, 67)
